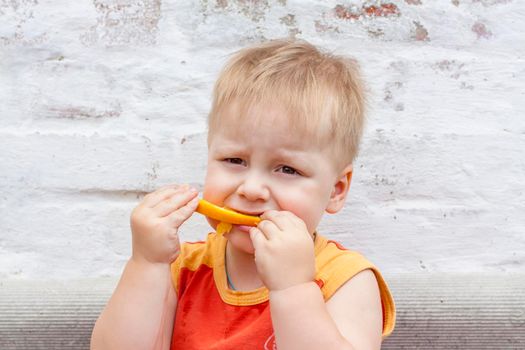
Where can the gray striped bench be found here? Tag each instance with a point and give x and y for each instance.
(435, 311)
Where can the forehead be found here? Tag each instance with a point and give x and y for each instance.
(269, 123)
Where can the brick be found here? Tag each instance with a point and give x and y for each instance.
(95, 162)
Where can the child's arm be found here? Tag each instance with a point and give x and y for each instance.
(351, 319)
(140, 313)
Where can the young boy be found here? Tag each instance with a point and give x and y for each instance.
(284, 128)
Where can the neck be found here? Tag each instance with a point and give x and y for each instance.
(241, 269)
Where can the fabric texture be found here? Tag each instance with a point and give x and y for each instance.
(213, 317)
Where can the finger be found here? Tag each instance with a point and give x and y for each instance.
(257, 237)
(179, 216)
(151, 199)
(154, 198)
(268, 229)
(282, 219)
(177, 200)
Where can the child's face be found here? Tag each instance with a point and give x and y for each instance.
(255, 168)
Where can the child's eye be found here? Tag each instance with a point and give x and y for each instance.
(285, 169)
(238, 161)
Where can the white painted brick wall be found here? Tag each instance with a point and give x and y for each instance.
(104, 100)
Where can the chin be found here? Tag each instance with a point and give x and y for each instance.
(240, 241)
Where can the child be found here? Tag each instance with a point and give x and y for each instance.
(284, 128)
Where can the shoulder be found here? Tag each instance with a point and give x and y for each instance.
(336, 265)
(345, 275)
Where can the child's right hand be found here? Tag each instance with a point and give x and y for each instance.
(156, 220)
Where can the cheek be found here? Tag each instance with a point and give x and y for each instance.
(214, 185)
(307, 208)
(312, 220)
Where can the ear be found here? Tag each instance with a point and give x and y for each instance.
(340, 190)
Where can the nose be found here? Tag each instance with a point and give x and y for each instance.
(254, 187)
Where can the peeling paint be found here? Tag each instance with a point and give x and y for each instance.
(222, 4)
(152, 175)
(343, 12)
(420, 32)
(83, 112)
(487, 3)
(379, 20)
(354, 13)
(323, 28)
(289, 21)
(17, 15)
(390, 93)
(383, 10)
(255, 10)
(465, 86)
(128, 22)
(481, 31)
(455, 68)
(376, 33)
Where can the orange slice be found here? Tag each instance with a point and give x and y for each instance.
(223, 227)
(226, 215)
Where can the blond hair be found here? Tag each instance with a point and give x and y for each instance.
(321, 93)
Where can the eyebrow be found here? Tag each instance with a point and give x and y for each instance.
(292, 156)
(287, 155)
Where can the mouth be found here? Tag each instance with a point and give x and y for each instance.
(243, 228)
(249, 213)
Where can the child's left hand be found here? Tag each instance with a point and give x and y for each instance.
(284, 250)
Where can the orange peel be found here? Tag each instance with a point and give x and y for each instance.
(226, 215)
